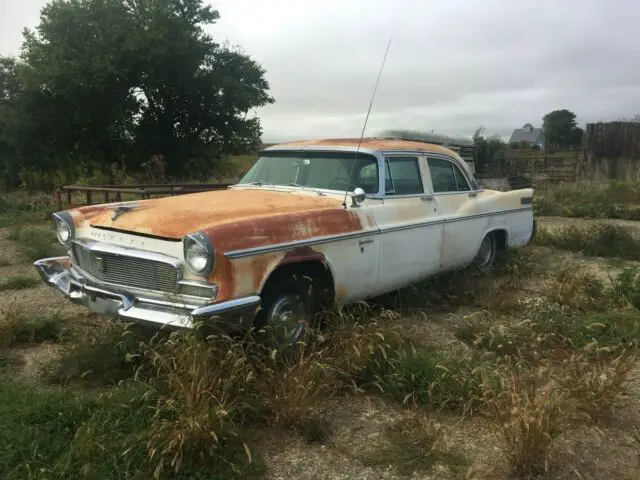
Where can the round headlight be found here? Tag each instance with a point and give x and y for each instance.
(63, 231)
(198, 254)
(197, 258)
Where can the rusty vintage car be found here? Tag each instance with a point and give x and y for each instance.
(355, 218)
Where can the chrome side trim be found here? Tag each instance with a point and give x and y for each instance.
(410, 226)
(298, 243)
(233, 254)
(238, 303)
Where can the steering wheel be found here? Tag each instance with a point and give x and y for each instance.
(344, 180)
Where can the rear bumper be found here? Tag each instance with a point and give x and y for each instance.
(58, 273)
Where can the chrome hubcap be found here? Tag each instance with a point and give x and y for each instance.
(485, 254)
(286, 320)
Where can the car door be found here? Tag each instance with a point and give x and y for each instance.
(456, 201)
(411, 233)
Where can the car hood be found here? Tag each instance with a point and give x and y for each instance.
(174, 217)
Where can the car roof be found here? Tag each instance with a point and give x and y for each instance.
(382, 144)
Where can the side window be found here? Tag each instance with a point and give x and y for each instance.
(402, 176)
(461, 182)
(446, 176)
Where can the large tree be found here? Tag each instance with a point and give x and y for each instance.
(561, 130)
(106, 81)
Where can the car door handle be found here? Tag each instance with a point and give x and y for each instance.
(426, 198)
(364, 242)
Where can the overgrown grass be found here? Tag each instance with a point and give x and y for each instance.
(430, 377)
(19, 326)
(618, 199)
(627, 286)
(99, 356)
(595, 240)
(19, 282)
(35, 242)
(60, 435)
(544, 326)
(187, 404)
(413, 444)
(20, 208)
(537, 402)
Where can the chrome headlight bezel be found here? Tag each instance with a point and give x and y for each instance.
(199, 241)
(62, 221)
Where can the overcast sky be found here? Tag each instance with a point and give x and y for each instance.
(452, 66)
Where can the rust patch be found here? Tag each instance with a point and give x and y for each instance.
(176, 216)
(223, 276)
(372, 143)
(290, 227)
(302, 254)
(259, 269)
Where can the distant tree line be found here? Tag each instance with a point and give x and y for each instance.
(121, 82)
(560, 132)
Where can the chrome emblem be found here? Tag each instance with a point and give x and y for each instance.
(121, 210)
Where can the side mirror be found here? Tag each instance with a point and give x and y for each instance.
(357, 196)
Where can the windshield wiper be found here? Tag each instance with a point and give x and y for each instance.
(253, 183)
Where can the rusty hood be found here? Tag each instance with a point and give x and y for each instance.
(174, 217)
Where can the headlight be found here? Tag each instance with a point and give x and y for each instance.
(199, 254)
(63, 224)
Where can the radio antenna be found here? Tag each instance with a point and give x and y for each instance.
(375, 89)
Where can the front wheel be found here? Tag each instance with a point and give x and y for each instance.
(487, 253)
(287, 311)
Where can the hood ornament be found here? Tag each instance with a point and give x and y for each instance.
(122, 209)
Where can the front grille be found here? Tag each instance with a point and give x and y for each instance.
(125, 270)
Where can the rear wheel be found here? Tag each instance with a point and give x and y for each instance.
(485, 259)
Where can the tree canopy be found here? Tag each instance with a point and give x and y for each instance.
(561, 130)
(120, 81)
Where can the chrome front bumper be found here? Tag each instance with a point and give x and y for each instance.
(58, 273)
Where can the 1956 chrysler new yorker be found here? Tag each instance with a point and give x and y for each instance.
(413, 209)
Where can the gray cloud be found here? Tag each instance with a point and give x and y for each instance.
(453, 66)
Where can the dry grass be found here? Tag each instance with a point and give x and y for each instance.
(576, 289)
(527, 415)
(538, 402)
(616, 199)
(596, 384)
(595, 240)
(201, 391)
(35, 242)
(536, 364)
(18, 282)
(18, 326)
(414, 443)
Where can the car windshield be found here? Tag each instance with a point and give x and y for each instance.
(325, 170)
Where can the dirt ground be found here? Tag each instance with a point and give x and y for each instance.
(612, 451)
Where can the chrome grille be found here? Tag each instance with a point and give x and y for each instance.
(126, 270)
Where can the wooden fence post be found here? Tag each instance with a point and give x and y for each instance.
(59, 198)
